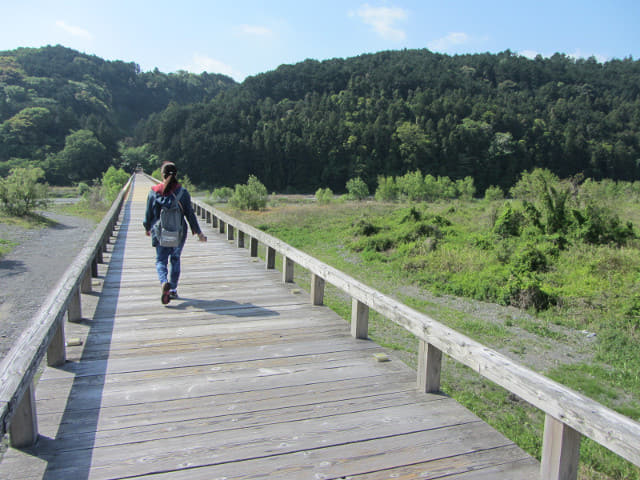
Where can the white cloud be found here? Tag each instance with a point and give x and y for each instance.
(448, 42)
(256, 30)
(579, 54)
(384, 20)
(75, 31)
(530, 54)
(201, 63)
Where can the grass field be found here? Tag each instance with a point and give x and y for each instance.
(571, 313)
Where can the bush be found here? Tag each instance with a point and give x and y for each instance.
(21, 192)
(324, 196)
(220, 195)
(251, 196)
(357, 189)
(387, 190)
(509, 223)
(493, 193)
(112, 182)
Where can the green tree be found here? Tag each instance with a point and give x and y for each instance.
(250, 196)
(22, 192)
(112, 182)
(357, 189)
(324, 196)
(83, 158)
(387, 189)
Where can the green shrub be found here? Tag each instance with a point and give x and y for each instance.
(251, 196)
(509, 223)
(387, 190)
(357, 189)
(21, 192)
(465, 188)
(493, 193)
(112, 182)
(412, 186)
(220, 195)
(324, 196)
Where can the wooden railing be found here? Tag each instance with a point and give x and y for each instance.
(569, 415)
(45, 334)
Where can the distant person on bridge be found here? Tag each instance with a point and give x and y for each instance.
(162, 197)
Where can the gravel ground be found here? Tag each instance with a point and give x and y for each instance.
(33, 268)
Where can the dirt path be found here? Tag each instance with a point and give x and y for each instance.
(33, 268)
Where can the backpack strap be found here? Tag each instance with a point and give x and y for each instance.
(178, 200)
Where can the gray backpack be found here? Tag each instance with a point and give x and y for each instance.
(169, 229)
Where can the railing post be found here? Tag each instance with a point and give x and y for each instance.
(253, 246)
(85, 286)
(317, 289)
(221, 226)
(287, 270)
(230, 232)
(23, 431)
(240, 239)
(560, 451)
(57, 351)
(214, 221)
(94, 266)
(208, 217)
(271, 258)
(359, 319)
(74, 310)
(429, 367)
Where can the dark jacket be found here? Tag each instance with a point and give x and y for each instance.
(158, 198)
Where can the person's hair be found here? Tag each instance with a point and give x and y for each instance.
(169, 173)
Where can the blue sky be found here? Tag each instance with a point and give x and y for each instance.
(241, 38)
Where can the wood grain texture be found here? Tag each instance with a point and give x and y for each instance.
(241, 377)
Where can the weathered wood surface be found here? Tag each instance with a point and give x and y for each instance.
(241, 377)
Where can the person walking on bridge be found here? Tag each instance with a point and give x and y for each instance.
(164, 197)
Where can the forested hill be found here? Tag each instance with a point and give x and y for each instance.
(489, 116)
(47, 94)
(318, 124)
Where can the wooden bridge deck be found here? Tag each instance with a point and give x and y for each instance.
(241, 378)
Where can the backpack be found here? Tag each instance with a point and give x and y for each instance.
(169, 228)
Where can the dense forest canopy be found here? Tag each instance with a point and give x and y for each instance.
(66, 111)
(319, 123)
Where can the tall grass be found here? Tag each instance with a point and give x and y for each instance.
(592, 307)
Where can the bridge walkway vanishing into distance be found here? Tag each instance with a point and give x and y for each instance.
(242, 377)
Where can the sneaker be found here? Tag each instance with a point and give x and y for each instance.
(166, 295)
(173, 293)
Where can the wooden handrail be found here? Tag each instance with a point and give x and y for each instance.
(45, 334)
(569, 414)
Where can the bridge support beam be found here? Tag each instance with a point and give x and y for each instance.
(74, 310)
(253, 246)
(57, 351)
(271, 258)
(287, 270)
(560, 451)
(317, 290)
(359, 319)
(23, 431)
(429, 367)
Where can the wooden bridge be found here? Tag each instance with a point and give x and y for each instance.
(244, 376)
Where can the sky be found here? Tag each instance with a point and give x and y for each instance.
(240, 38)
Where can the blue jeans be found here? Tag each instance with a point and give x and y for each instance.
(164, 255)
